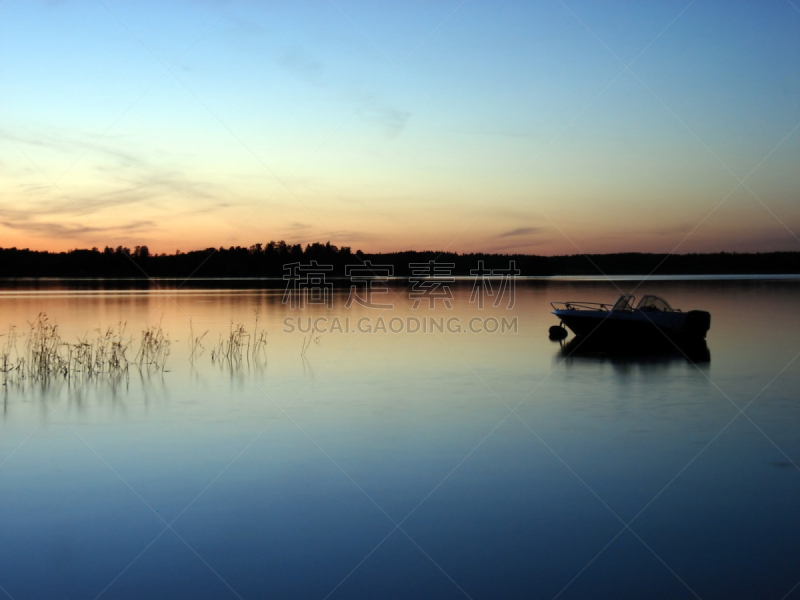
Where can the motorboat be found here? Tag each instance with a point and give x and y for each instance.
(651, 320)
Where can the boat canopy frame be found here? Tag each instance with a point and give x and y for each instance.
(625, 303)
(651, 303)
(591, 306)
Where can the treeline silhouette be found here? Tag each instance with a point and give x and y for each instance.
(268, 260)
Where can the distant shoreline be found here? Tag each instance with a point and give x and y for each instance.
(265, 262)
(457, 278)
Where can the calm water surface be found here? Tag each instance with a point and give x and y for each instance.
(406, 465)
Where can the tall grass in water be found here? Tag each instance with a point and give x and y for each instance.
(9, 362)
(41, 353)
(46, 355)
(240, 346)
(196, 347)
(111, 350)
(259, 340)
(154, 348)
(232, 349)
(308, 340)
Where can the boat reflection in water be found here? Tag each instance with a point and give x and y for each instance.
(655, 352)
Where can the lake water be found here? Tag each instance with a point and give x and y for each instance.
(405, 465)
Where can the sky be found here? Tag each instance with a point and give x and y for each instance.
(470, 126)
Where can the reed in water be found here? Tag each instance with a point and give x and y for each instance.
(240, 346)
(42, 353)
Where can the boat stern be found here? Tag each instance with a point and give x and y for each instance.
(697, 324)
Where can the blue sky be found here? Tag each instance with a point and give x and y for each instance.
(430, 125)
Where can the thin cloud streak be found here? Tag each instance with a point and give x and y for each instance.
(520, 231)
(71, 231)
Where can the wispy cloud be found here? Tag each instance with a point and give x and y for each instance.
(353, 237)
(73, 144)
(75, 231)
(297, 226)
(121, 178)
(301, 63)
(520, 231)
(391, 120)
(522, 246)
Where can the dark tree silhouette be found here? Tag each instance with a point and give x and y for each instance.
(268, 260)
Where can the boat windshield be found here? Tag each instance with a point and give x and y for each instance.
(654, 303)
(624, 302)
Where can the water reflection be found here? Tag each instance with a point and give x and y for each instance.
(283, 476)
(113, 391)
(579, 349)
